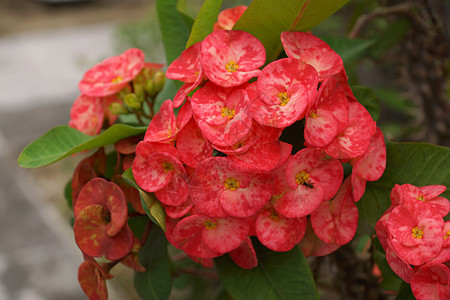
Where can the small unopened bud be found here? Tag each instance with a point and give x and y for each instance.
(123, 92)
(140, 92)
(150, 88)
(158, 80)
(117, 109)
(131, 100)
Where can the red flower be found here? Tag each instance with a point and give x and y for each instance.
(231, 58)
(431, 281)
(100, 226)
(312, 50)
(228, 17)
(111, 75)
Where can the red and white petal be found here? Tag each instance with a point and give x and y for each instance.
(187, 67)
(228, 17)
(188, 233)
(279, 233)
(227, 235)
(373, 163)
(398, 265)
(246, 201)
(245, 256)
(192, 147)
(163, 125)
(86, 115)
(320, 128)
(311, 245)
(301, 201)
(176, 192)
(431, 281)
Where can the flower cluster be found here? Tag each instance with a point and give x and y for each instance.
(221, 169)
(415, 237)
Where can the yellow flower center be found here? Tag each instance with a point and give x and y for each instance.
(231, 183)
(210, 224)
(417, 232)
(302, 177)
(283, 98)
(117, 79)
(228, 113)
(420, 197)
(313, 114)
(447, 234)
(232, 66)
(167, 167)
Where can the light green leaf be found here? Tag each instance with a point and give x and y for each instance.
(150, 204)
(267, 19)
(279, 275)
(62, 141)
(156, 282)
(366, 96)
(181, 7)
(414, 163)
(349, 49)
(204, 23)
(174, 31)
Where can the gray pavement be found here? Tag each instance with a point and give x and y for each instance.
(39, 73)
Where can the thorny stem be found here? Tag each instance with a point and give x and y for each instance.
(150, 106)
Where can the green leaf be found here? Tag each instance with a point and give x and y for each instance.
(62, 141)
(349, 49)
(174, 31)
(150, 204)
(156, 282)
(267, 19)
(366, 96)
(279, 275)
(204, 23)
(419, 164)
(181, 7)
(405, 293)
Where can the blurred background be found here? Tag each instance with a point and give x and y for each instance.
(47, 45)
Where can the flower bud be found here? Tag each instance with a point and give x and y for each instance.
(158, 80)
(117, 109)
(132, 101)
(150, 88)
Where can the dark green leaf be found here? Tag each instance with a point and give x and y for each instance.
(267, 19)
(150, 204)
(279, 275)
(204, 22)
(62, 141)
(181, 7)
(174, 31)
(405, 293)
(414, 163)
(366, 96)
(168, 92)
(156, 282)
(349, 49)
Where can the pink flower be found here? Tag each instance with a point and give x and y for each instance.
(87, 115)
(370, 166)
(228, 17)
(113, 74)
(328, 116)
(164, 126)
(203, 236)
(336, 221)
(244, 255)
(429, 194)
(311, 245)
(415, 232)
(431, 281)
(444, 255)
(192, 146)
(220, 187)
(277, 232)
(355, 139)
(187, 68)
(231, 58)
(222, 114)
(311, 177)
(157, 168)
(312, 50)
(285, 89)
